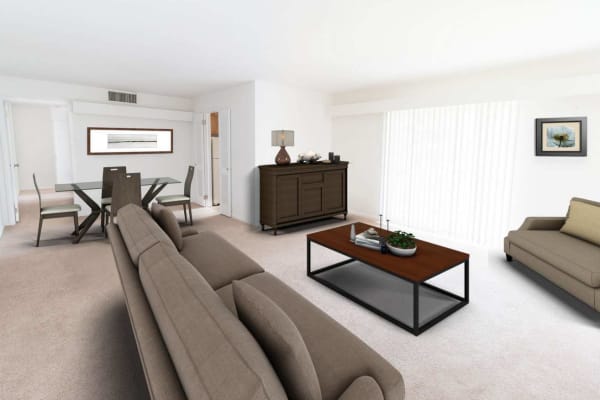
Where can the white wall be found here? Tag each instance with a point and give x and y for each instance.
(542, 185)
(240, 101)
(32, 89)
(89, 167)
(305, 112)
(84, 167)
(34, 137)
(358, 139)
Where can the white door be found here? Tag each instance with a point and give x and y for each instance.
(13, 162)
(225, 161)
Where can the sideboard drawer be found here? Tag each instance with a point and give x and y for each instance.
(312, 178)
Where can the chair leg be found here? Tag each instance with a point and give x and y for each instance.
(76, 223)
(185, 213)
(190, 211)
(37, 244)
(102, 211)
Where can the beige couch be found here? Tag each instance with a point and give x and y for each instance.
(190, 341)
(570, 263)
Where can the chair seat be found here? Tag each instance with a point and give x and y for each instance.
(67, 208)
(106, 200)
(172, 199)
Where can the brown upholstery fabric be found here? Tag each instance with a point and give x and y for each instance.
(542, 224)
(188, 231)
(226, 295)
(161, 378)
(139, 231)
(215, 356)
(363, 388)
(339, 357)
(583, 292)
(572, 256)
(280, 340)
(583, 222)
(168, 222)
(217, 260)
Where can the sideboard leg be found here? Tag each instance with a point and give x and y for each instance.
(262, 227)
(274, 231)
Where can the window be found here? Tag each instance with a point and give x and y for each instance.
(448, 170)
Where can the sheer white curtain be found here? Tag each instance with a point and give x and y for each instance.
(448, 170)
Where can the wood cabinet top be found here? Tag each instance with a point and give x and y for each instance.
(300, 167)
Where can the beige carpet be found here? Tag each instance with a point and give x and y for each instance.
(65, 332)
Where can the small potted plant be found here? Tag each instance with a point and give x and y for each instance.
(401, 243)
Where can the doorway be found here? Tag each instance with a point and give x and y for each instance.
(215, 151)
(215, 159)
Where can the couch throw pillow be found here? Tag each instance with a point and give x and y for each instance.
(280, 340)
(583, 221)
(168, 222)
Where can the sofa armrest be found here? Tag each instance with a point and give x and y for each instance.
(363, 388)
(542, 223)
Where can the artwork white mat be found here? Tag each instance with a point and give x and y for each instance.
(111, 141)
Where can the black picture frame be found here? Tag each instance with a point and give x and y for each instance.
(570, 129)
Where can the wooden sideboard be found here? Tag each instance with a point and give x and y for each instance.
(296, 193)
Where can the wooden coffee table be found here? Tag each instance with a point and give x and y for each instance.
(384, 283)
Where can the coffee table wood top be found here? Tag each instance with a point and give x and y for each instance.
(429, 260)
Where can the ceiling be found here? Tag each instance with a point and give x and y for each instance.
(187, 47)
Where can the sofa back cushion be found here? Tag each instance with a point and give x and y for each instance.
(139, 231)
(280, 339)
(215, 356)
(583, 220)
(167, 220)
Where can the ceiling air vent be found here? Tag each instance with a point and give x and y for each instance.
(122, 97)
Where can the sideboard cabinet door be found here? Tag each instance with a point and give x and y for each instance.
(288, 196)
(335, 191)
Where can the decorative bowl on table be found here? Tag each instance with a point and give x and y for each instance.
(401, 244)
(308, 157)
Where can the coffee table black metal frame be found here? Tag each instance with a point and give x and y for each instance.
(416, 329)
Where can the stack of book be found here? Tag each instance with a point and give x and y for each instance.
(368, 240)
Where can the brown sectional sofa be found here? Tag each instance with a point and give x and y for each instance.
(190, 341)
(570, 263)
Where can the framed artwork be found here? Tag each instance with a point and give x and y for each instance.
(102, 141)
(561, 137)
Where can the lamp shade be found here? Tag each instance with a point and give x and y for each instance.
(282, 138)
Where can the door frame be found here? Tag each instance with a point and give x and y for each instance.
(206, 154)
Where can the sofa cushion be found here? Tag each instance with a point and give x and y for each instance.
(583, 221)
(167, 220)
(214, 354)
(218, 261)
(139, 231)
(363, 387)
(280, 340)
(339, 356)
(572, 256)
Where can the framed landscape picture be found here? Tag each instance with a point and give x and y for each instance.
(561, 137)
(129, 141)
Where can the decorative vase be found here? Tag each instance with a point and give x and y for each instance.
(401, 252)
(282, 157)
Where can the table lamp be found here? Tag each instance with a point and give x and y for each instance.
(282, 138)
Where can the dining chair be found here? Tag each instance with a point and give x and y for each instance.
(108, 176)
(126, 190)
(184, 199)
(61, 211)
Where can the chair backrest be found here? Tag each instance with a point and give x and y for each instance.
(187, 188)
(108, 177)
(37, 189)
(126, 189)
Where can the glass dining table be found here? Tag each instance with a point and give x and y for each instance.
(80, 188)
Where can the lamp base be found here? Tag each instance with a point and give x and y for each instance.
(282, 157)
